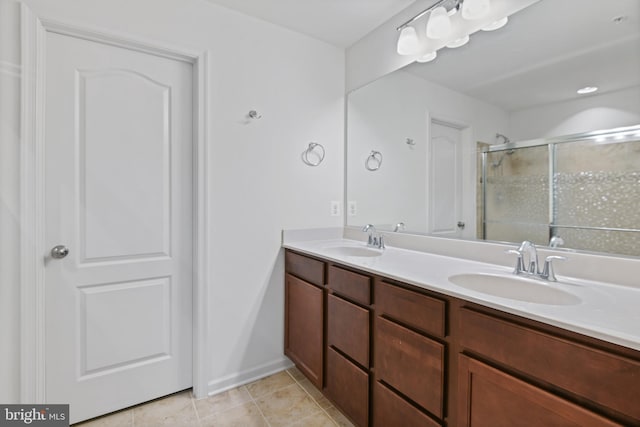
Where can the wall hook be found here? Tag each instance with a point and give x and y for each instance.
(410, 141)
(253, 114)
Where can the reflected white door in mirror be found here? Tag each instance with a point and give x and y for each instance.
(445, 187)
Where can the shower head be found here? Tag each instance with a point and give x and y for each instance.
(505, 139)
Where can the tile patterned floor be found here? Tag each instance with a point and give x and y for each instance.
(285, 399)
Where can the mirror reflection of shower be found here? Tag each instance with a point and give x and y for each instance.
(578, 191)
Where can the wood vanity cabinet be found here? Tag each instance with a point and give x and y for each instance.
(389, 354)
(304, 315)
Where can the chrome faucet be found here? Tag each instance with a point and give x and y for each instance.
(531, 268)
(375, 240)
(530, 248)
(556, 241)
(399, 227)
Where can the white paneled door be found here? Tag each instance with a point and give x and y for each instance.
(445, 189)
(118, 205)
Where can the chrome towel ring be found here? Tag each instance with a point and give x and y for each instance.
(313, 155)
(374, 161)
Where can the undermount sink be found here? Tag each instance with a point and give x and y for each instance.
(515, 287)
(355, 251)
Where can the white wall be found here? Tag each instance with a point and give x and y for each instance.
(596, 112)
(381, 116)
(9, 200)
(259, 183)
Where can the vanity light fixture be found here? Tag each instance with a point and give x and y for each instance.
(445, 29)
(408, 43)
(427, 57)
(496, 25)
(458, 42)
(439, 24)
(587, 89)
(475, 9)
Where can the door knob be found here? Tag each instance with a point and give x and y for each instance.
(59, 252)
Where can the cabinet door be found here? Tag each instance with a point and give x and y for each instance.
(303, 327)
(489, 397)
(411, 363)
(389, 409)
(348, 387)
(348, 329)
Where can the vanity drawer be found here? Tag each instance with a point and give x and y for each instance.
(351, 285)
(389, 409)
(410, 363)
(348, 329)
(601, 377)
(348, 387)
(411, 308)
(308, 269)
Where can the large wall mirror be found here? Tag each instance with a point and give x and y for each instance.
(492, 141)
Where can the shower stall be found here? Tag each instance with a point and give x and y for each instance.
(579, 191)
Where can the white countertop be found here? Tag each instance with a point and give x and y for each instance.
(606, 311)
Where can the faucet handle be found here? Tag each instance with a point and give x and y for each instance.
(519, 261)
(547, 271)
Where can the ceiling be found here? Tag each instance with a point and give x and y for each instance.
(338, 22)
(544, 54)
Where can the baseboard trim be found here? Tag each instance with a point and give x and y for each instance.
(244, 377)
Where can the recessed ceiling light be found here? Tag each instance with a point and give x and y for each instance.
(587, 89)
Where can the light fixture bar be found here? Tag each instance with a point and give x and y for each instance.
(424, 12)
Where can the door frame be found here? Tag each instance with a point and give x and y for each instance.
(32, 187)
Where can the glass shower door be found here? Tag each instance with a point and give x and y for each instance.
(597, 195)
(516, 197)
